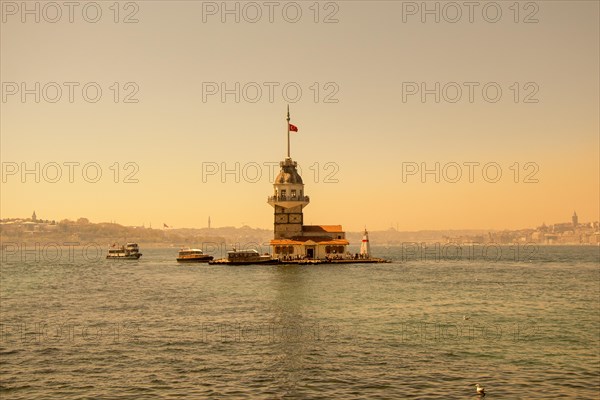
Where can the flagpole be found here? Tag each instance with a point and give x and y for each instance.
(288, 130)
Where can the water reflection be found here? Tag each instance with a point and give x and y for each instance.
(293, 333)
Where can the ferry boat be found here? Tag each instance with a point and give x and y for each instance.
(130, 251)
(193, 255)
(245, 257)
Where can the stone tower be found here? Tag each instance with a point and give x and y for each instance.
(288, 198)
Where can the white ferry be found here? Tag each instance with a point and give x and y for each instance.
(245, 257)
(193, 255)
(130, 251)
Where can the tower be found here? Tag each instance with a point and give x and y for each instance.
(575, 220)
(34, 217)
(365, 247)
(288, 198)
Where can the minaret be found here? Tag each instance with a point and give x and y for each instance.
(288, 198)
(365, 247)
(34, 217)
(575, 220)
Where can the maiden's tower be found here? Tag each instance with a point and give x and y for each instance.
(292, 239)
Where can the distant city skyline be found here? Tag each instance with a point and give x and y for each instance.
(16, 232)
(574, 221)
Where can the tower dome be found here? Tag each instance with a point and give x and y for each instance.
(288, 174)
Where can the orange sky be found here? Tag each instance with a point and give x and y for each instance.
(361, 122)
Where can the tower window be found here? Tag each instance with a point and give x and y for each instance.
(283, 193)
(293, 193)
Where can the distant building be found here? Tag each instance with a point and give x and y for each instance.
(34, 217)
(543, 228)
(575, 220)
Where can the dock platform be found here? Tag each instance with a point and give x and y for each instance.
(333, 261)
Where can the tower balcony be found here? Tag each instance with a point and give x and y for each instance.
(288, 201)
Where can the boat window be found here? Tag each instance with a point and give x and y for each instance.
(293, 193)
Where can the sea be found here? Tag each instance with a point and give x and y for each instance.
(523, 321)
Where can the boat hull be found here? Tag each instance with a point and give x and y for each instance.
(261, 262)
(128, 257)
(203, 259)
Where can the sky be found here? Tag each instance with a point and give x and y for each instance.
(414, 115)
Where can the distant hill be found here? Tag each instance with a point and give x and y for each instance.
(82, 231)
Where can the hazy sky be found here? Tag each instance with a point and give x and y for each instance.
(362, 69)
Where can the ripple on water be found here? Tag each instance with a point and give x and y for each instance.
(155, 329)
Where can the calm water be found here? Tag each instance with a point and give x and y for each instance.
(155, 329)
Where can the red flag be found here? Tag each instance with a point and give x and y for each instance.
(293, 128)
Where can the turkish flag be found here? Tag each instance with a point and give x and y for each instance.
(293, 128)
